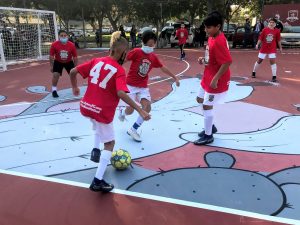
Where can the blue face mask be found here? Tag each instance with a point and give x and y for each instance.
(147, 49)
(63, 40)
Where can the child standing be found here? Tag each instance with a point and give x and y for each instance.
(143, 60)
(269, 38)
(106, 85)
(63, 54)
(216, 77)
(182, 35)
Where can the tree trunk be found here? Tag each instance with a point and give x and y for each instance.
(100, 21)
(112, 21)
(209, 4)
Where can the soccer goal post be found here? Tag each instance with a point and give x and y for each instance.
(25, 35)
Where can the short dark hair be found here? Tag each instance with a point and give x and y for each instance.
(62, 31)
(273, 19)
(214, 19)
(148, 35)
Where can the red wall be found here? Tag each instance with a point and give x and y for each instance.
(285, 11)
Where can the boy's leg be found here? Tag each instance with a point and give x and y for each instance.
(106, 134)
(57, 71)
(257, 64)
(146, 105)
(273, 67)
(200, 99)
(128, 109)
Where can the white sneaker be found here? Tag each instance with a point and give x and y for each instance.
(134, 134)
(121, 117)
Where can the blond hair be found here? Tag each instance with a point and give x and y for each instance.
(117, 40)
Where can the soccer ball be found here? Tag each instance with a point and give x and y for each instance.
(120, 159)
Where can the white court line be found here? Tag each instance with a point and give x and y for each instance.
(75, 98)
(161, 199)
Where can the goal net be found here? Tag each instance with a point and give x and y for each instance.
(25, 35)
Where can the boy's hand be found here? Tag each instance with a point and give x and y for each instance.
(177, 82)
(256, 47)
(201, 60)
(146, 116)
(214, 83)
(76, 91)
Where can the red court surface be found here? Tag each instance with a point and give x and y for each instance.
(45, 169)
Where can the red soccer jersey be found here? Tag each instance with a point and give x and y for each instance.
(217, 53)
(140, 67)
(182, 35)
(63, 52)
(105, 78)
(269, 38)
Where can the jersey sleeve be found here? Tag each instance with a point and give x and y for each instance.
(222, 52)
(131, 55)
(85, 68)
(156, 63)
(278, 37)
(186, 34)
(121, 80)
(262, 35)
(74, 51)
(52, 50)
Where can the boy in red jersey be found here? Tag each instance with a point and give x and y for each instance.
(182, 35)
(106, 85)
(63, 54)
(216, 77)
(269, 38)
(143, 60)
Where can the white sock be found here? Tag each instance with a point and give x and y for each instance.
(208, 121)
(256, 66)
(96, 140)
(140, 120)
(104, 161)
(274, 69)
(54, 88)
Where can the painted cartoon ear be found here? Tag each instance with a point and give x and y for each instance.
(184, 97)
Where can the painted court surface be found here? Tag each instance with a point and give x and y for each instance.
(249, 175)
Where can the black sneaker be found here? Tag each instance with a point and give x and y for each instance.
(274, 79)
(95, 155)
(54, 94)
(100, 185)
(214, 130)
(253, 74)
(204, 140)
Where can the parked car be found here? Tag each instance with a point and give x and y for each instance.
(290, 36)
(229, 30)
(174, 40)
(77, 33)
(238, 38)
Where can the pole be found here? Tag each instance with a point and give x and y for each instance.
(39, 37)
(2, 56)
(83, 24)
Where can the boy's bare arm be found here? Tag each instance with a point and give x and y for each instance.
(168, 72)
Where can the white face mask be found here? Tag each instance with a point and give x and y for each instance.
(147, 49)
(63, 40)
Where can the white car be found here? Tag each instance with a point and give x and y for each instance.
(174, 40)
(290, 36)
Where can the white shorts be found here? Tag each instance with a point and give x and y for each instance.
(105, 131)
(212, 98)
(263, 55)
(137, 93)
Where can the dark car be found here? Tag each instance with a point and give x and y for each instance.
(229, 30)
(238, 38)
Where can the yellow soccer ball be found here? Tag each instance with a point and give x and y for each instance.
(120, 159)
